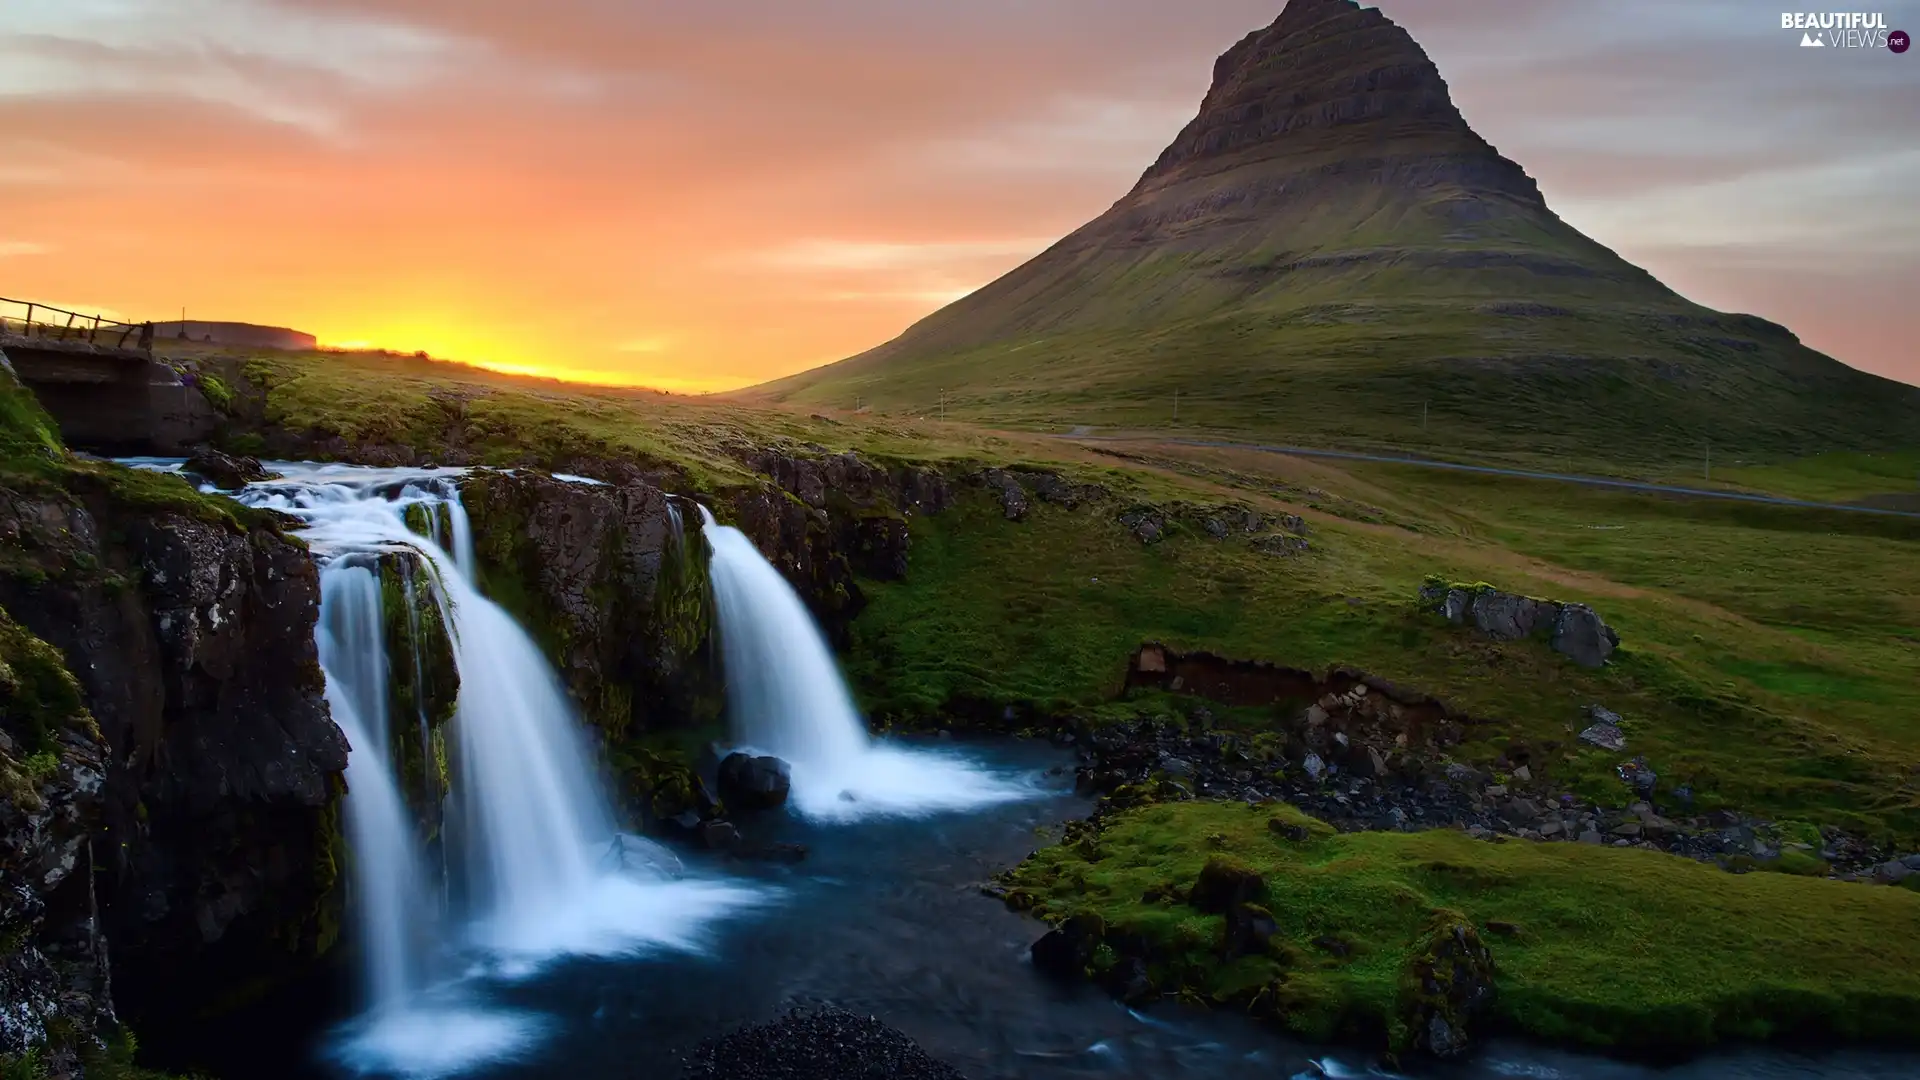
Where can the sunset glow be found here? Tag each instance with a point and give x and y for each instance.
(697, 198)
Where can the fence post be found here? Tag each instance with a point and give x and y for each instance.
(26, 330)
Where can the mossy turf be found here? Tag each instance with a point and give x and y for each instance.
(1809, 720)
(1623, 949)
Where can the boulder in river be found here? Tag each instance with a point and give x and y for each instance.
(226, 471)
(1066, 950)
(750, 784)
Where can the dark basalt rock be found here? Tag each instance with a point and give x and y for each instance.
(750, 785)
(1065, 951)
(226, 472)
(817, 1044)
(829, 519)
(610, 583)
(53, 959)
(215, 859)
(1450, 987)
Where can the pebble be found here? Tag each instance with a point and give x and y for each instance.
(816, 1044)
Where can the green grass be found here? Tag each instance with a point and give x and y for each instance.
(437, 407)
(1837, 477)
(1812, 718)
(1628, 950)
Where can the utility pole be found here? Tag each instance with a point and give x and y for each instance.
(1423, 417)
(1708, 472)
(943, 405)
(1176, 406)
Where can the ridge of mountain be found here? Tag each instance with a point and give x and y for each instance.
(1328, 250)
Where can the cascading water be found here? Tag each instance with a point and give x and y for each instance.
(785, 697)
(353, 654)
(535, 878)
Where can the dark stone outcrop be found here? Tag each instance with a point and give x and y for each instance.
(1573, 630)
(53, 960)
(226, 471)
(817, 1044)
(610, 579)
(1326, 78)
(191, 639)
(829, 519)
(1065, 951)
(1449, 988)
(1013, 497)
(750, 785)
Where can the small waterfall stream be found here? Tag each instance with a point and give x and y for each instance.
(785, 697)
(542, 870)
(353, 654)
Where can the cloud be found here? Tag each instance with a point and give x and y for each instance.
(816, 254)
(925, 299)
(645, 345)
(15, 248)
(783, 182)
(1855, 207)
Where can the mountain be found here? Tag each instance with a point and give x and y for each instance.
(1328, 252)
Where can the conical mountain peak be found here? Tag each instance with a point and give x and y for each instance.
(1327, 81)
(1326, 248)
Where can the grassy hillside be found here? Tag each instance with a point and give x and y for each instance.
(1772, 656)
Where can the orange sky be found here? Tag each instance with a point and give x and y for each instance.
(699, 196)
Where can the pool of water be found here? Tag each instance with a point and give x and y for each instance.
(885, 917)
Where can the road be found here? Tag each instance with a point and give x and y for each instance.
(1564, 478)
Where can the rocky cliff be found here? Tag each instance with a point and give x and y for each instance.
(187, 625)
(53, 962)
(610, 578)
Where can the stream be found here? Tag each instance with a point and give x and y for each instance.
(884, 916)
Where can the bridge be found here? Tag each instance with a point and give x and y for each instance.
(100, 381)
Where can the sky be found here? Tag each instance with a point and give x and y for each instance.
(698, 196)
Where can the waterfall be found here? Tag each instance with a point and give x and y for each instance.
(543, 871)
(429, 767)
(387, 879)
(786, 697)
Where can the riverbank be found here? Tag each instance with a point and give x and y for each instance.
(1427, 942)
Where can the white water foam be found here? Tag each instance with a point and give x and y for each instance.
(786, 698)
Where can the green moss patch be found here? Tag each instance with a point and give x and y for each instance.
(1620, 949)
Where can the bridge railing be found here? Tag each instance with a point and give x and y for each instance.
(27, 318)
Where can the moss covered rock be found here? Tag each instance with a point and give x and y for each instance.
(1448, 988)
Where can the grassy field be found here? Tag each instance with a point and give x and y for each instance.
(1617, 949)
(1744, 675)
(1771, 658)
